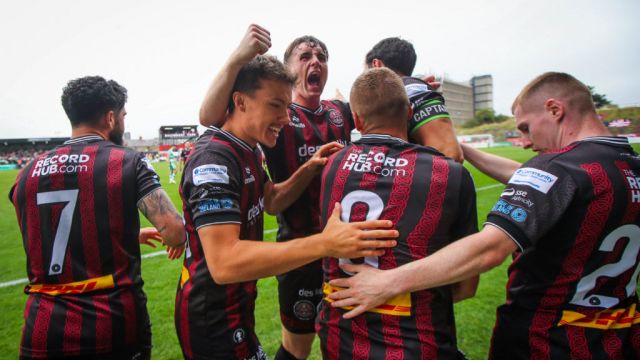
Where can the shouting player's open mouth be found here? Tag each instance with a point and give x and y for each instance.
(314, 81)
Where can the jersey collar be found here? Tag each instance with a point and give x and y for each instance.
(380, 137)
(609, 140)
(233, 138)
(81, 139)
(317, 111)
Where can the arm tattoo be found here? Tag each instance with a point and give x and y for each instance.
(155, 205)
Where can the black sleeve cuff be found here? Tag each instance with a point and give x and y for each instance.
(514, 232)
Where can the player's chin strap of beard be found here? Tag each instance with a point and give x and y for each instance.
(283, 354)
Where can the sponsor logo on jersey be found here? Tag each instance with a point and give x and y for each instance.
(375, 162)
(256, 210)
(210, 173)
(309, 292)
(605, 319)
(64, 164)
(210, 205)
(516, 213)
(535, 178)
(78, 287)
(335, 117)
(238, 335)
(308, 151)
(518, 196)
(634, 185)
(295, 122)
(250, 178)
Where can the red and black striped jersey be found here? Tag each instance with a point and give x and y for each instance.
(431, 201)
(223, 183)
(77, 210)
(572, 285)
(298, 141)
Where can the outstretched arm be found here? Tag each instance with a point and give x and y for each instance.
(494, 166)
(458, 261)
(158, 208)
(279, 196)
(256, 41)
(233, 260)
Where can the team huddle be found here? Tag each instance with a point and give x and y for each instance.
(377, 238)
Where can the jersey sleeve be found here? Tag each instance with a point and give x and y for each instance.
(427, 105)
(534, 200)
(146, 177)
(467, 222)
(212, 187)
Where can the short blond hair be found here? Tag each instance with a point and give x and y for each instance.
(378, 95)
(557, 85)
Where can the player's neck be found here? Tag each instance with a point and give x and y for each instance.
(310, 103)
(81, 131)
(398, 133)
(585, 127)
(235, 126)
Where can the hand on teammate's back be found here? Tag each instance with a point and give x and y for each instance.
(321, 157)
(362, 290)
(357, 239)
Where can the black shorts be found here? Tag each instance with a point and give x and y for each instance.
(300, 294)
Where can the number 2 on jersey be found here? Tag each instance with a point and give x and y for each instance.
(375, 204)
(626, 262)
(64, 225)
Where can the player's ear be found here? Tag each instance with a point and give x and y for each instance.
(409, 112)
(555, 108)
(377, 63)
(109, 119)
(239, 100)
(357, 121)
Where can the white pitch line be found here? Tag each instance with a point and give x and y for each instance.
(489, 187)
(157, 253)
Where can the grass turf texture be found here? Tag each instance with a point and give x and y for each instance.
(474, 317)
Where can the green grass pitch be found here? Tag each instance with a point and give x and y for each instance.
(474, 317)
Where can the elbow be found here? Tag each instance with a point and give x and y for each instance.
(203, 117)
(272, 207)
(221, 275)
(492, 259)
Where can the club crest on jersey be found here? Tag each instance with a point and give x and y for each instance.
(295, 122)
(535, 178)
(210, 173)
(335, 117)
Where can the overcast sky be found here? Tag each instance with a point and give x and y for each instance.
(166, 52)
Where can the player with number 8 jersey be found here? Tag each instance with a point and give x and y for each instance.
(431, 201)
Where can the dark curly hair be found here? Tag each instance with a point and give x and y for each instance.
(86, 99)
(396, 53)
(262, 67)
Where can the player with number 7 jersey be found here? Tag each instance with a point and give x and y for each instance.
(77, 209)
(431, 201)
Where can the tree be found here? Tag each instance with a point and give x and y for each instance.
(600, 100)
